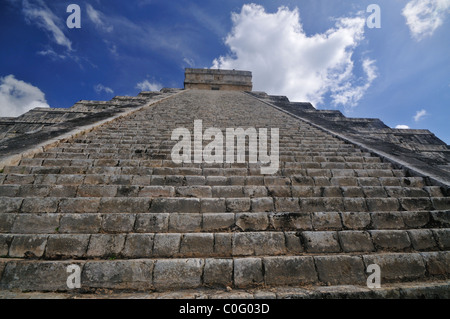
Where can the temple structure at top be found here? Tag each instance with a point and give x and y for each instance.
(214, 79)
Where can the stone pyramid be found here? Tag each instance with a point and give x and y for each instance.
(95, 186)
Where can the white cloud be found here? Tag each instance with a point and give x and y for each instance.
(52, 54)
(402, 127)
(18, 97)
(423, 17)
(148, 86)
(112, 47)
(419, 115)
(99, 88)
(189, 62)
(98, 19)
(349, 95)
(284, 60)
(38, 12)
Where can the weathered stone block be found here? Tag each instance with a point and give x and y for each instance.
(422, 239)
(185, 222)
(10, 205)
(438, 263)
(415, 219)
(387, 220)
(223, 244)
(325, 181)
(175, 205)
(302, 180)
(342, 181)
(36, 276)
(218, 272)
(36, 223)
(102, 246)
(166, 245)
(369, 181)
(399, 266)
(63, 191)
(355, 204)
(157, 191)
(151, 223)
(5, 242)
(227, 191)
(293, 243)
(393, 240)
(214, 222)
(6, 222)
(352, 191)
(288, 271)
(238, 204)
(276, 181)
(97, 191)
(326, 221)
(118, 223)
(178, 273)
(248, 272)
(416, 203)
(30, 246)
(122, 205)
(332, 191)
(340, 270)
(195, 180)
(321, 242)
(80, 223)
(254, 180)
(382, 204)
(441, 218)
(255, 191)
(279, 191)
(212, 205)
(40, 205)
(216, 180)
(79, 205)
(120, 274)
(194, 191)
(306, 191)
(293, 221)
(355, 241)
(262, 204)
(443, 238)
(34, 190)
(355, 220)
(441, 203)
(252, 221)
(287, 204)
(262, 243)
(196, 245)
(138, 246)
(67, 246)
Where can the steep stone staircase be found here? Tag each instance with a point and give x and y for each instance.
(114, 203)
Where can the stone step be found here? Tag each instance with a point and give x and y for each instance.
(436, 289)
(112, 168)
(134, 150)
(41, 185)
(122, 161)
(243, 196)
(88, 216)
(232, 196)
(297, 181)
(236, 244)
(246, 272)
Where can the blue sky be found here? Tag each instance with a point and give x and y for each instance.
(320, 51)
